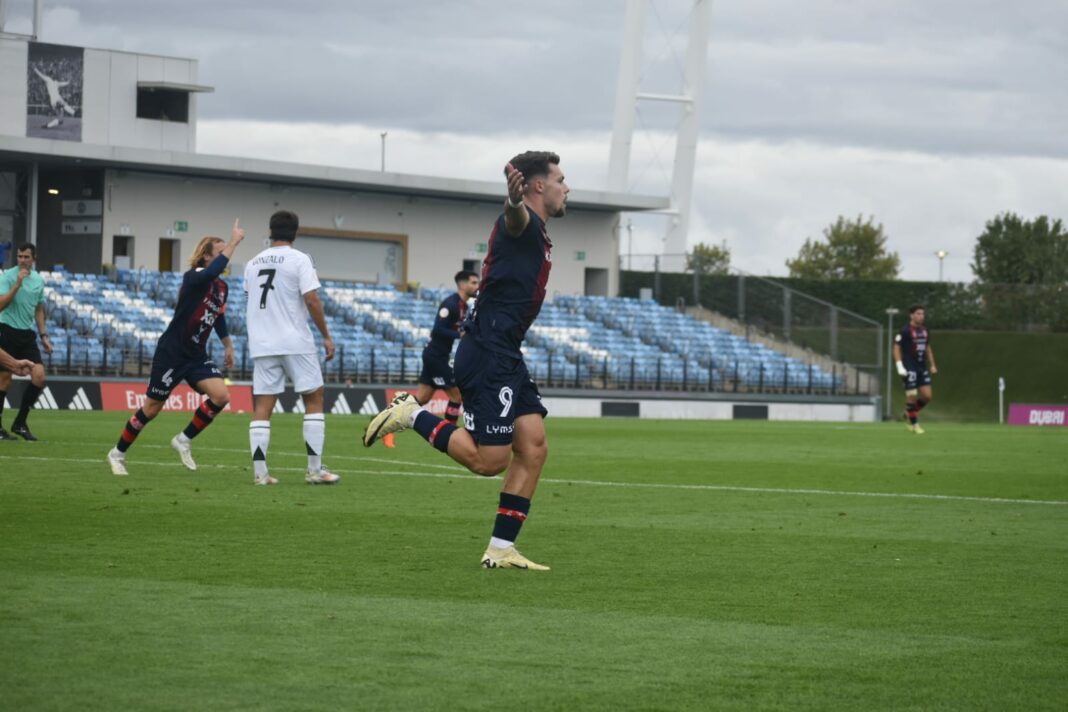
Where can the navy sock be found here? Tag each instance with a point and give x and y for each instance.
(435, 430)
(133, 428)
(29, 397)
(511, 514)
(202, 418)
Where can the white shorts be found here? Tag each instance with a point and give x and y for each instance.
(269, 374)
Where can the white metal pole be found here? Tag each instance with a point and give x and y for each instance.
(1001, 401)
(689, 128)
(626, 95)
(889, 360)
(38, 7)
(31, 228)
(384, 134)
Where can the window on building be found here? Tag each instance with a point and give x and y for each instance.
(163, 105)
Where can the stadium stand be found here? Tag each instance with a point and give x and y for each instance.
(107, 327)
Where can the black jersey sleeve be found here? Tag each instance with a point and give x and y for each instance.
(443, 325)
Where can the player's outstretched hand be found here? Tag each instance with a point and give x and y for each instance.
(328, 344)
(237, 233)
(516, 183)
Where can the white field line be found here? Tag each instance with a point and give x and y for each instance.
(456, 472)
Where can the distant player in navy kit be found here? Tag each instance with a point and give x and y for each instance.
(437, 369)
(912, 353)
(181, 354)
(503, 415)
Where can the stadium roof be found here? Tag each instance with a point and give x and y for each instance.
(48, 151)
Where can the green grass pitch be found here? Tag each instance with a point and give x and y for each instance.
(696, 565)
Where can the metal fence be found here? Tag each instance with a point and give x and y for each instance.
(618, 372)
(765, 306)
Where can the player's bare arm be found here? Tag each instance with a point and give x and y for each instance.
(930, 360)
(5, 299)
(18, 366)
(228, 352)
(237, 234)
(516, 216)
(41, 330)
(901, 370)
(315, 309)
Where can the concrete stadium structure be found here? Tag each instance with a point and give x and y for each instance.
(114, 179)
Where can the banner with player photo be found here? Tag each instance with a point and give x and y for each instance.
(54, 78)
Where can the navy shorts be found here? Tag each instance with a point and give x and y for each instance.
(19, 344)
(168, 372)
(496, 389)
(437, 372)
(915, 379)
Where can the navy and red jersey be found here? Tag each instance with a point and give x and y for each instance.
(446, 329)
(512, 289)
(913, 342)
(200, 308)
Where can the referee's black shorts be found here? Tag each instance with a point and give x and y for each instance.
(20, 344)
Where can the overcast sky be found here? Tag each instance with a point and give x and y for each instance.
(930, 115)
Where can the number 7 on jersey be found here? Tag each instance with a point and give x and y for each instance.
(266, 286)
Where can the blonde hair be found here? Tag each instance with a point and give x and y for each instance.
(203, 250)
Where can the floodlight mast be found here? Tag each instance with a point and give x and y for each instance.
(628, 95)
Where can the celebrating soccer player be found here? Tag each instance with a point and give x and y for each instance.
(912, 354)
(503, 415)
(181, 353)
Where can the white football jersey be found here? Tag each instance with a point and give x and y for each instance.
(276, 281)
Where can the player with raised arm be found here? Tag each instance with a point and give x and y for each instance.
(282, 291)
(181, 353)
(58, 103)
(504, 426)
(915, 364)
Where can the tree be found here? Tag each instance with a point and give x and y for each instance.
(853, 250)
(709, 259)
(1016, 251)
(1021, 272)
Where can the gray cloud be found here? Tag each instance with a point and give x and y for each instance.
(975, 77)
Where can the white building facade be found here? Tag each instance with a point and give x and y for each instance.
(98, 167)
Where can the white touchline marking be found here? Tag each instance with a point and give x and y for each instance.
(595, 483)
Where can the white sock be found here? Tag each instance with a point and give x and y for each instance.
(500, 543)
(259, 437)
(415, 414)
(314, 437)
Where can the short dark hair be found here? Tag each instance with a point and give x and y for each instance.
(534, 163)
(284, 225)
(28, 246)
(915, 308)
(464, 275)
